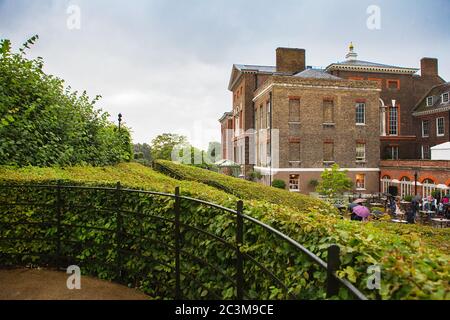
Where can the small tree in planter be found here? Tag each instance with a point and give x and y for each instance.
(334, 182)
(280, 184)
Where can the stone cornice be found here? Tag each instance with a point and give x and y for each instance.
(374, 69)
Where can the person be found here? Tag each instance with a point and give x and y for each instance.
(412, 211)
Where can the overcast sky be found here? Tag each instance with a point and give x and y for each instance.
(166, 64)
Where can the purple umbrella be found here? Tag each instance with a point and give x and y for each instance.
(361, 211)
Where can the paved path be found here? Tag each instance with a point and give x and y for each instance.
(39, 284)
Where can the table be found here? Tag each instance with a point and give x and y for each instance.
(399, 221)
(439, 222)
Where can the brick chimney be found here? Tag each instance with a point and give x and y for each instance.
(429, 67)
(291, 60)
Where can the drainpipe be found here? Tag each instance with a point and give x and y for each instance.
(270, 135)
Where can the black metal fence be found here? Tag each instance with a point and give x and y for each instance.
(59, 204)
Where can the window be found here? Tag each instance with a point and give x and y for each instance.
(294, 151)
(294, 129)
(428, 187)
(268, 110)
(360, 113)
(445, 97)
(294, 110)
(385, 184)
(360, 152)
(328, 152)
(360, 182)
(405, 187)
(425, 128)
(429, 101)
(328, 112)
(426, 152)
(294, 182)
(392, 152)
(440, 128)
(393, 121)
(393, 84)
(261, 117)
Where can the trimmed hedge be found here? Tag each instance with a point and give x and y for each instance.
(411, 269)
(242, 188)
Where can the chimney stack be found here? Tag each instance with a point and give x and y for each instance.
(290, 60)
(429, 67)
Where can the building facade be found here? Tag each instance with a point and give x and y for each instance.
(291, 122)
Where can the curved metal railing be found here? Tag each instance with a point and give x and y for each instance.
(333, 282)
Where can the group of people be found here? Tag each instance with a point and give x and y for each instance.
(436, 206)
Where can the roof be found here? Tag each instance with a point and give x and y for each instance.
(248, 67)
(225, 115)
(442, 146)
(316, 74)
(436, 92)
(369, 67)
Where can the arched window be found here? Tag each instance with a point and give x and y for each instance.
(385, 183)
(428, 187)
(405, 187)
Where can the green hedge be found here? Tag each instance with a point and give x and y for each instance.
(411, 267)
(242, 188)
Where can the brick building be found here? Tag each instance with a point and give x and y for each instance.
(432, 120)
(401, 89)
(290, 121)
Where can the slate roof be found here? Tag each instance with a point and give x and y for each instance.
(368, 64)
(436, 92)
(249, 67)
(316, 74)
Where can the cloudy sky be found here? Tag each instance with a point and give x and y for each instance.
(165, 64)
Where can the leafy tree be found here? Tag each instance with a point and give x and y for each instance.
(163, 145)
(334, 182)
(44, 123)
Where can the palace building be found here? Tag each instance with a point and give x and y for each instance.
(291, 121)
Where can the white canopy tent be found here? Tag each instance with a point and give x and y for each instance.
(441, 151)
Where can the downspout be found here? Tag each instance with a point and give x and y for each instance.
(270, 135)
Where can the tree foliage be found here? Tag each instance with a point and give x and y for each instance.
(44, 123)
(334, 182)
(163, 145)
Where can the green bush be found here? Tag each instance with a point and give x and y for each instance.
(412, 266)
(43, 123)
(279, 184)
(408, 198)
(243, 189)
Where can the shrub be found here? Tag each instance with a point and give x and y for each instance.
(280, 184)
(413, 265)
(408, 198)
(42, 123)
(243, 189)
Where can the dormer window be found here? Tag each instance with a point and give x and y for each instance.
(429, 101)
(445, 97)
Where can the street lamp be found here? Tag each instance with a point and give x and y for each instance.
(120, 121)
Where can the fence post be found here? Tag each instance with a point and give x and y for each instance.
(177, 211)
(59, 206)
(239, 257)
(333, 264)
(119, 228)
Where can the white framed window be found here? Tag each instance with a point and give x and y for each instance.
(405, 187)
(360, 181)
(445, 97)
(425, 128)
(440, 127)
(393, 121)
(360, 113)
(294, 183)
(268, 110)
(392, 152)
(428, 187)
(426, 152)
(360, 152)
(385, 184)
(429, 101)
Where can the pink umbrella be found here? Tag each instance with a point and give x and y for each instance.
(361, 211)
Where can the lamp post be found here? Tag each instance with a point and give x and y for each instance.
(415, 183)
(120, 121)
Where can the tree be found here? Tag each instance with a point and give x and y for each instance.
(214, 152)
(163, 145)
(334, 182)
(44, 123)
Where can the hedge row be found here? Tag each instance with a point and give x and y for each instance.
(242, 188)
(410, 269)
